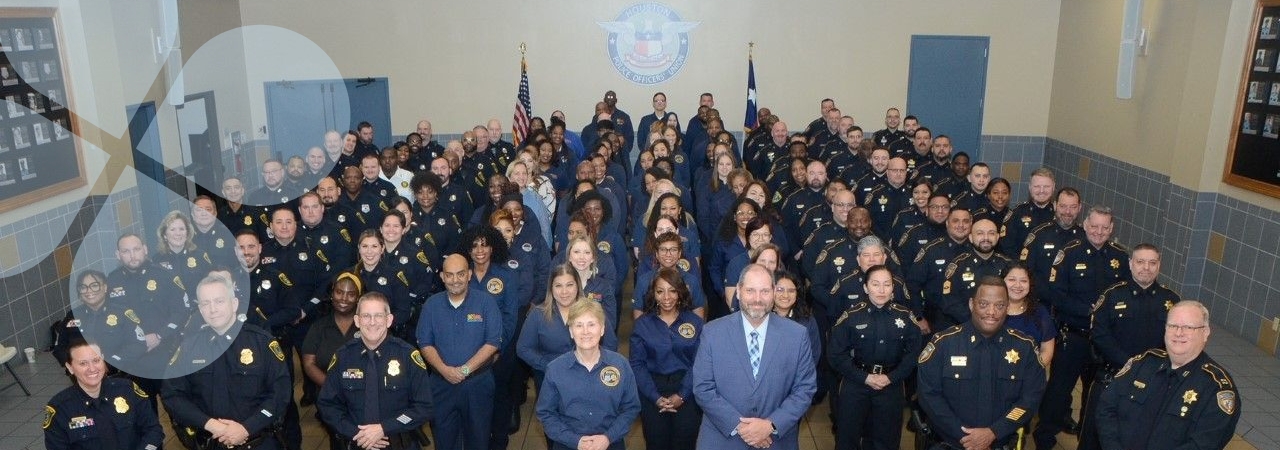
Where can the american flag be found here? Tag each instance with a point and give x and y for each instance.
(524, 110)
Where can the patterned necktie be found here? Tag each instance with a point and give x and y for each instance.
(755, 354)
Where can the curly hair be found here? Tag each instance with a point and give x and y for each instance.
(486, 234)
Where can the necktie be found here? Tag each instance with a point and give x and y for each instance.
(372, 387)
(755, 354)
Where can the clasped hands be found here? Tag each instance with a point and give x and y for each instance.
(756, 432)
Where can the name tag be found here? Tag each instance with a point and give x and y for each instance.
(1081, 266)
(960, 361)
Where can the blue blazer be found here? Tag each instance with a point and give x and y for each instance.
(726, 391)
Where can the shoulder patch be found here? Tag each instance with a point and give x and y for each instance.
(139, 391)
(1021, 335)
(1227, 402)
(403, 279)
(417, 359)
(178, 282)
(822, 256)
(951, 270)
(132, 316)
(49, 412)
(332, 361)
(346, 235)
(422, 258)
(274, 346)
(284, 279)
(926, 353)
(1061, 255)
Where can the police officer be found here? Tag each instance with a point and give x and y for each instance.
(371, 171)
(890, 134)
(368, 205)
(1081, 271)
(928, 268)
(460, 332)
(376, 394)
(873, 346)
(1174, 398)
(296, 259)
(825, 224)
(453, 195)
(272, 304)
(1030, 214)
(330, 240)
(230, 387)
(980, 381)
(155, 294)
(886, 199)
(1042, 244)
(235, 214)
(99, 413)
(335, 212)
(963, 272)
(850, 289)
(436, 223)
(107, 322)
(917, 237)
(274, 191)
(217, 241)
(835, 261)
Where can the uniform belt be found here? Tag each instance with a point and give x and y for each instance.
(249, 444)
(876, 369)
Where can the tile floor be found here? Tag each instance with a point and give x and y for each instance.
(1256, 373)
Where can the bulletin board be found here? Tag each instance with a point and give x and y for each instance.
(39, 154)
(1253, 159)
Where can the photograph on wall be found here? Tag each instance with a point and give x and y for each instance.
(6, 40)
(43, 136)
(30, 73)
(15, 108)
(22, 39)
(1268, 28)
(34, 102)
(1257, 92)
(49, 70)
(26, 169)
(55, 99)
(8, 76)
(1271, 127)
(60, 131)
(6, 173)
(1262, 59)
(44, 39)
(5, 143)
(1275, 94)
(21, 139)
(1249, 125)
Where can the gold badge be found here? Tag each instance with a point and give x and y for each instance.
(683, 264)
(610, 376)
(49, 412)
(219, 243)
(151, 285)
(112, 320)
(967, 276)
(494, 286)
(393, 368)
(1189, 397)
(1115, 263)
(417, 359)
(275, 350)
(122, 406)
(946, 287)
(687, 331)
(248, 220)
(246, 356)
(191, 262)
(1227, 402)
(604, 246)
(839, 261)
(1168, 304)
(1012, 356)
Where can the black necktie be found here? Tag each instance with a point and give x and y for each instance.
(372, 387)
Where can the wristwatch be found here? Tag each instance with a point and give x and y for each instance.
(466, 370)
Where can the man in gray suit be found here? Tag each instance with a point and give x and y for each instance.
(754, 374)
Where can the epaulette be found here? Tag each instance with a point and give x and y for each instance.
(1158, 353)
(925, 249)
(254, 329)
(1020, 335)
(906, 234)
(902, 309)
(835, 287)
(852, 309)
(1219, 375)
(1031, 235)
(949, 332)
(1073, 244)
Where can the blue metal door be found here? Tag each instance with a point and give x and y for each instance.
(369, 100)
(300, 112)
(946, 86)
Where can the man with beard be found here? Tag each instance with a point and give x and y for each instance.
(963, 272)
(903, 147)
(1037, 210)
(476, 166)
(365, 146)
(934, 226)
(771, 150)
(316, 167)
(833, 262)
(967, 407)
(922, 144)
(274, 190)
(753, 347)
(938, 168)
(156, 295)
(820, 123)
(867, 178)
(460, 332)
(621, 123)
(828, 134)
(1043, 243)
(456, 200)
(342, 215)
(296, 259)
(370, 206)
(799, 202)
(332, 243)
(886, 199)
(925, 274)
(847, 158)
(429, 149)
(890, 135)
(392, 173)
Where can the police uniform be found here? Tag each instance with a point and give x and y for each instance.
(331, 243)
(888, 136)
(905, 220)
(345, 217)
(765, 156)
(396, 372)
(950, 185)
(1019, 223)
(576, 401)
(417, 267)
(463, 411)
(884, 201)
(239, 375)
(850, 290)
(847, 162)
(369, 206)
(298, 261)
(873, 340)
(118, 418)
(1001, 218)
(969, 380)
(393, 282)
(934, 171)
(438, 226)
(833, 262)
(420, 161)
(272, 304)
(218, 243)
(974, 202)
(270, 198)
(455, 200)
(662, 356)
(947, 303)
(246, 216)
(1039, 251)
(863, 183)
(1152, 405)
(926, 271)
(156, 295)
(914, 239)
(800, 202)
(189, 265)
(819, 223)
(1077, 277)
(383, 188)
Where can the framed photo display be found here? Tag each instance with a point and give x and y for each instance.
(38, 157)
(1253, 155)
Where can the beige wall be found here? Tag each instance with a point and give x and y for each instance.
(457, 63)
(1181, 115)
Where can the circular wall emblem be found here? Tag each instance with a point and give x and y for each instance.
(648, 43)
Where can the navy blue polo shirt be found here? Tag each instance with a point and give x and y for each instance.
(458, 333)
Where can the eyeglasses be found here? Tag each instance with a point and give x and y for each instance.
(745, 213)
(94, 286)
(469, 140)
(842, 205)
(373, 316)
(668, 250)
(791, 291)
(1183, 328)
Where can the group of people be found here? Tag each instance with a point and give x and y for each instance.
(421, 283)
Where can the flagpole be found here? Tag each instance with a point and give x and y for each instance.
(523, 109)
(750, 120)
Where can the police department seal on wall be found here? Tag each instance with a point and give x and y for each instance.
(648, 43)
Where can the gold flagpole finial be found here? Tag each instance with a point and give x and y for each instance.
(751, 46)
(523, 48)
